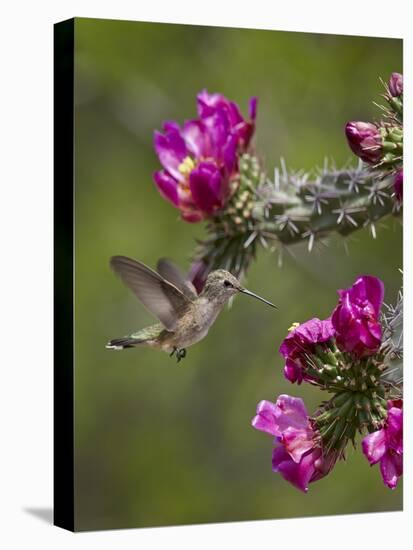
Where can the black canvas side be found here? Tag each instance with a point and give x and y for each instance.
(63, 275)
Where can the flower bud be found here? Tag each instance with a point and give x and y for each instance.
(365, 141)
(396, 84)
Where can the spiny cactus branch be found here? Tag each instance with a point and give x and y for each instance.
(292, 208)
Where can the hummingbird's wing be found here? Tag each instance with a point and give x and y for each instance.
(160, 297)
(174, 275)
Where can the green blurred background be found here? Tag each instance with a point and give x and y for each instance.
(158, 443)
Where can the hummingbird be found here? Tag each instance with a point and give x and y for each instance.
(185, 316)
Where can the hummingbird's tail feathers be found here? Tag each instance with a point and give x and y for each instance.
(124, 343)
(145, 336)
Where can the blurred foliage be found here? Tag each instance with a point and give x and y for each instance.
(158, 443)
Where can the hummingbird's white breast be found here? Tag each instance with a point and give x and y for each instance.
(195, 324)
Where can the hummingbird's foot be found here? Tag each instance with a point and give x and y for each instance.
(181, 354)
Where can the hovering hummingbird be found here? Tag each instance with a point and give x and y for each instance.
(185, 317)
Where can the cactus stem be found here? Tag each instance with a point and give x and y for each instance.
(293, 207)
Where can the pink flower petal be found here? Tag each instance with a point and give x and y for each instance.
(207, 103)
(167, 186)
(391, 468)
(229, 154)
(170, 125)
(370, 289)
(298, 474)
(218, 129)
(265, 418)
(205, 183)
(293, 372)
(290, 412)
(297, 442)
(374, 446)
(394, 429)
(196, 139)
(171, 151)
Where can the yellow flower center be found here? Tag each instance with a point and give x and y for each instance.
(186, 166)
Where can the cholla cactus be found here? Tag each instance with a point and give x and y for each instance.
(347, 356)
(210, 172)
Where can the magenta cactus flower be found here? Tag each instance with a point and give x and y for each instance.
(398, 185)
(396, 84)
(200, 159)
(299, 343)
(365, 141)
(298, 455)
(356, 317)
(386, 445)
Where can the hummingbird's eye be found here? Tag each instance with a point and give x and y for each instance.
(227, 283)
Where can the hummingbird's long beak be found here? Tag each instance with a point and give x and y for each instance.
(249, 293)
